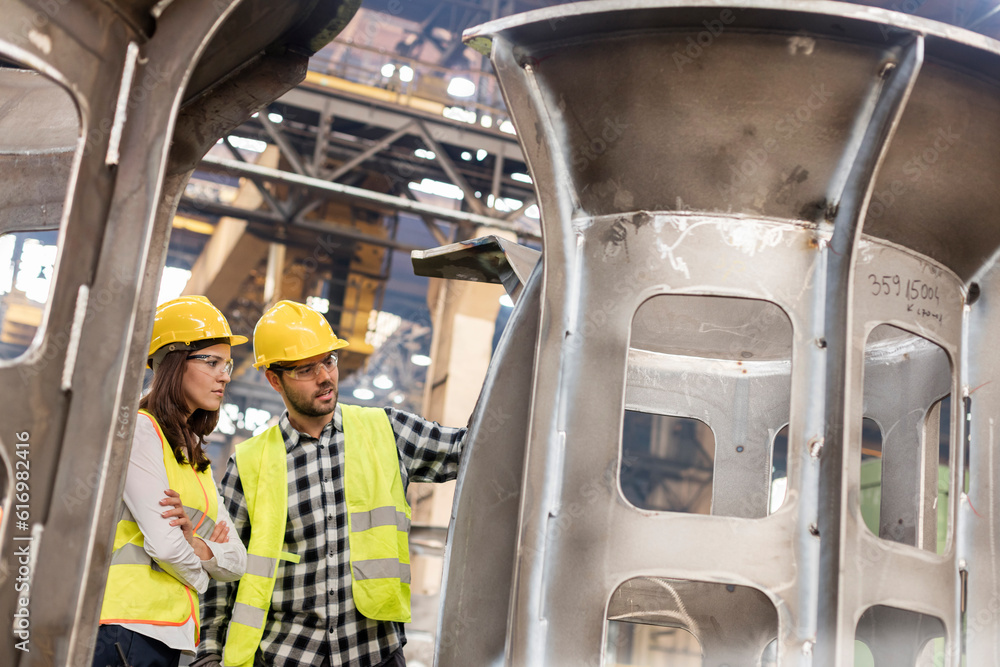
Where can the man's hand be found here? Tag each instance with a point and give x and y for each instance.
(208, 660)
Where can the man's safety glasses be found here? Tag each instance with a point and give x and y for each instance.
(308, 371)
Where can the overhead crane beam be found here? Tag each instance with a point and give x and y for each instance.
(314, 93)
(361, 195)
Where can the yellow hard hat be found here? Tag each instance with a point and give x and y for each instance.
(181, 322)
(290, 331)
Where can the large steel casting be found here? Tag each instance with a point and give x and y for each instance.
(763, 218)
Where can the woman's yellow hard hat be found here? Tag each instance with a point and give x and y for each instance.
(186, 320)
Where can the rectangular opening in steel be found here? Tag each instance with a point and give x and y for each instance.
(905, 476)
(708, 387)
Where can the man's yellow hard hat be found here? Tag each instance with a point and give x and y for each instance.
(181, 322)
(290, 331)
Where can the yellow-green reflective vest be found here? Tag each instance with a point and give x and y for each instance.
(378, 518)
(138, 590)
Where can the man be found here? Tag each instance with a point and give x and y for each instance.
(320, 501)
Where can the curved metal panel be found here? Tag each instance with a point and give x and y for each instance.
(128, 67)
(781, 151)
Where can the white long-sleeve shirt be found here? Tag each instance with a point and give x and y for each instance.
(145, 484)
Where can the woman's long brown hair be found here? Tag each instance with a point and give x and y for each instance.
(165, 401)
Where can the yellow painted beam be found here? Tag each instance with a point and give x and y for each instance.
(192, 225)
(371, 92)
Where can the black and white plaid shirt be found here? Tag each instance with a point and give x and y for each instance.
(312, 612)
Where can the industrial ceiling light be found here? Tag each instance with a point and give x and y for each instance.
(319, 304)
(461, 87)
(382, 382)
(459, 114)
(363, 394)
(421, 360)
(248, 144)
(439, 188)
(405, 74)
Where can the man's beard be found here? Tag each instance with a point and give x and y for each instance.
(306, 406)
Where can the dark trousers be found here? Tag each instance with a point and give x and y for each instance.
(139, 650)
(394, 660)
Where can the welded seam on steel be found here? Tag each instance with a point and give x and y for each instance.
(841, 253)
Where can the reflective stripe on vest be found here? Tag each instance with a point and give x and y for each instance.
(138, 590)
(133, 554)
(378, 515)
(381, 568)
(203, 525)
(252, 617)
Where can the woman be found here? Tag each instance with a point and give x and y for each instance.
(173, 531)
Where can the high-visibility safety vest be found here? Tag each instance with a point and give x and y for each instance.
(138, 590)
(378, 519)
